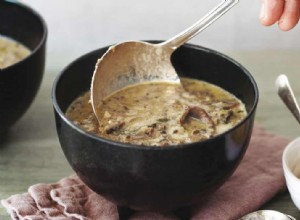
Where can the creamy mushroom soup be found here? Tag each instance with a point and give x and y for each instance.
(160, 114)
(11, 51)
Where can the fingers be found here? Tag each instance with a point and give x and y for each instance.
(285, 12)
(290, 16)
(271, 11)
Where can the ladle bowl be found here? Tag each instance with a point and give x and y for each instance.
(138, 62)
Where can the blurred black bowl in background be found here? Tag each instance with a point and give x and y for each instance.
(20, 82)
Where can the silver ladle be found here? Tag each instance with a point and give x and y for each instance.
(267, 215)
(285, 92)
(134, 62)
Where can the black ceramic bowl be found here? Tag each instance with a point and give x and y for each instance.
(151, 178)
(20, 82)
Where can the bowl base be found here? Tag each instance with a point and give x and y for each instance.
(3, 136)
(182, 213)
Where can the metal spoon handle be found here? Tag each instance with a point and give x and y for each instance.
(200, 25)
(286, 94)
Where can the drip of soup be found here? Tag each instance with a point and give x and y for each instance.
(160, 113)
(11, 52)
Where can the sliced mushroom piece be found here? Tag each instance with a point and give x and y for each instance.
(113, 127)
(204, 124)
(197, 113)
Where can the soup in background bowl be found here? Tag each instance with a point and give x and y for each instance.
(11, 52)
(156, 178)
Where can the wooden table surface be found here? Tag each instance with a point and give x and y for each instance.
(31, 154)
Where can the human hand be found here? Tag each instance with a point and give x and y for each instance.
(285, 12)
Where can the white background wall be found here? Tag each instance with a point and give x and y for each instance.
(79, 26)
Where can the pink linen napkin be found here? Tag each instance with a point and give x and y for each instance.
(258, 178)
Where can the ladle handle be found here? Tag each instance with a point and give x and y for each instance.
(200, 25)
(286, 94)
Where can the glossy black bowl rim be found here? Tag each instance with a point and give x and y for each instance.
(43, 39)
(145, 147)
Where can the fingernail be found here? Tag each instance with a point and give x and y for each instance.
(283, 25)
(262, 12)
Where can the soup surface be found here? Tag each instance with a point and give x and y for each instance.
(160, 114)
(11, 51)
